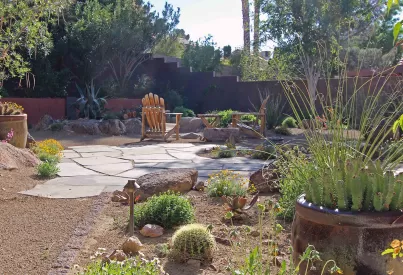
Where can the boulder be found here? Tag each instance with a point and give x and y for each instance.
(13, 158)
(133, 126)
(179, 180)
(190, 124)
(117, 255)
(152, 230)
(199, 186)
(265, 180)
(30, 140)
(132, 245)
(220, 134)
(112, 127)
(190, 136)
(83, 126)
(44, 123)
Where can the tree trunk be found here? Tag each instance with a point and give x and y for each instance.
(256, 27)
(246, 25)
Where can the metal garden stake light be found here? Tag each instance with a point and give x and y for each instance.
(130, 188)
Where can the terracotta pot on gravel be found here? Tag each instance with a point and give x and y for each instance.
(20, 127)
(354, 240)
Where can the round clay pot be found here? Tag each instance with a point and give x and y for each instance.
(20, 127)
(354, 240)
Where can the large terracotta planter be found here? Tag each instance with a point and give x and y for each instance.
(354, 240)
(20, 127)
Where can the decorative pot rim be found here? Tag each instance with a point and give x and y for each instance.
(323, 215)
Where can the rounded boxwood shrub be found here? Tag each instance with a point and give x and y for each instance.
(192, 241)
(289, 122)
(185, 111)
(167, 210)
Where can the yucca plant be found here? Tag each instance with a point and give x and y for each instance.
(89, 104)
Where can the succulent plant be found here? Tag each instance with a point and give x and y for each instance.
(192, 241)
(10, 108)
(357, 187)
(238, 203)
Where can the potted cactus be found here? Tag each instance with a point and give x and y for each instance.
(349, 202)
(12, 119)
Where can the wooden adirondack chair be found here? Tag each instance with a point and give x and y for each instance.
(153, 113)
(260, 116)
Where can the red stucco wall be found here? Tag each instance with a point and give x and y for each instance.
(35, 108)
(117, 104)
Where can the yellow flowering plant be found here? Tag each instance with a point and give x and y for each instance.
(10, 108)
(49, 147)
(226, 183)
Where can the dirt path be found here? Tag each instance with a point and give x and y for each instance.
(33, 230)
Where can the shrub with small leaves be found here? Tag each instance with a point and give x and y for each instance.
(185, 111)
(167, 210)
(47, 169)
(226, 183)
(264, 152)
(224, 152)
(192, 241)
(281, 130)
(45, 157)
(289, 122)
(130, 267)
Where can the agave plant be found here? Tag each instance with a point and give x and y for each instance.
(89, 104)
(238, 203)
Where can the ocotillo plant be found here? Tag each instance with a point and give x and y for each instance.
(353, 185)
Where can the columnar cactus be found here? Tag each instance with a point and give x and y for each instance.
(352, 185)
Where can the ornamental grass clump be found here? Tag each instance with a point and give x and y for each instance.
(345, 170)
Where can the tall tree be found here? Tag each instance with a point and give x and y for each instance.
(314, 28)
(173, 44)
(202, 55)
(256, 26)
(24, 32)
(246, 25)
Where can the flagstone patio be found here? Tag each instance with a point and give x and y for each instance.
(87, 171)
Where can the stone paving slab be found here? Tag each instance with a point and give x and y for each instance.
(138, 172)
(64, 191)
(111, 169)
(102, 154)
(90, 170)
(73, 169)
(99, 160)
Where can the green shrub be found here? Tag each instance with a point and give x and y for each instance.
(47, 169)
(185, 111)
(248, 118)
(295, 169)
(274, 111)
(192, 241)
(57, 126)
(264, 152)
(289, 122)
(226, 183)
(173, 99)
(281, 130)
(129, 267)
(167, 210)
(225, 152)
(226, 117)
(46, 157)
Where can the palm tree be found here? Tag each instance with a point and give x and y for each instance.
(256, 26)
(246, 25)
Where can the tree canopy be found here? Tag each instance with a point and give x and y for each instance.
(202, 55)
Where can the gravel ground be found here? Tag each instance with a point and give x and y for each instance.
(33, 230)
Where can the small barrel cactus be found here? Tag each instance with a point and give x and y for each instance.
(192, 241)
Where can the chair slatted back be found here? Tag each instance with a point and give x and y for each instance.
(154, 110)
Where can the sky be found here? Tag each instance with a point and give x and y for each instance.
(220, 18)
